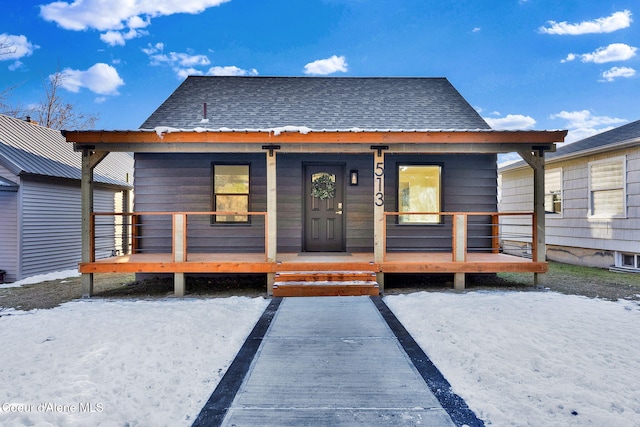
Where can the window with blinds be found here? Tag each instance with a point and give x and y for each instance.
(607, 188)
(553, 191)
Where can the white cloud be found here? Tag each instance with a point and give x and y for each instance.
(16, 65)
(15, 47)
(183, 64)
(476, 30)
(613, 52)
(100, 78)
(511, 122)
(583, 124)
(615, 72)
(126, 17)
(186, 64)
(327, 66)
(183, 73)
(113, 38)
(118, 38)
(231, 71)
(152, 49)
(617, 21)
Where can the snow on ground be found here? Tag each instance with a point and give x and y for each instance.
(532, 359)
(56, 275)
(518, 359)
(116, 363)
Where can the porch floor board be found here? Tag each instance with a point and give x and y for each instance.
(395, 262)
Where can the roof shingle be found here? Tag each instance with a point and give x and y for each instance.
(318, 103)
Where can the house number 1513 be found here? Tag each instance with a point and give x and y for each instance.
(379, 184)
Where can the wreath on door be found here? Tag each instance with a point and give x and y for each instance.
(323, 187)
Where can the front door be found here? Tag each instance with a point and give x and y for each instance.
(324, 206)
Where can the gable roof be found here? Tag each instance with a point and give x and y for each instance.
(316, 103)
(624, 135)
(29, 149)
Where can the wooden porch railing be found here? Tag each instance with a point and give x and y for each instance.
(520, 227)
(178, 230)
(460, 230)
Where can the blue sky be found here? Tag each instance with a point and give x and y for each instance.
(523, 64)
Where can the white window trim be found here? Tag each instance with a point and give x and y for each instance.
(561, 213)
(636, 263)
(620, 159)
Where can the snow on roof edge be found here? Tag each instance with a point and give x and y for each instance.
(161, 130)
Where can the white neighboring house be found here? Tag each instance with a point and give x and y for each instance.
(592, 200)
(40, 200)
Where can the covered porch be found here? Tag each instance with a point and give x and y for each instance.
(454, 256)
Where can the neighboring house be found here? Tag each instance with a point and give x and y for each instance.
(40, 200)
(592, 199)
(322, 176)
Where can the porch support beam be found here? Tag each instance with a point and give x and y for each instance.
(301, 147)
(317, 137)
(379, 232)
(90, 159)
(86, 188)
(179, 251)
(536, 161)
(271, 218)
(459, 248)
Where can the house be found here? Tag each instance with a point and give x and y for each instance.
(40, 200)
(592, 199)
(314, 179)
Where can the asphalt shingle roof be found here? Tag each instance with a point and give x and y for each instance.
(318, 103)
(27, 148)
(619, 134)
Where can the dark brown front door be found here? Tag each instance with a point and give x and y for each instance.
(324, 207)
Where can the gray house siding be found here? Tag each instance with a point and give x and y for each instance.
(183, 182)
(9, 234)
(51, 224)
(469, 184)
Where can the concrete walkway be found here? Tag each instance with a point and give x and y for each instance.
(333, 361)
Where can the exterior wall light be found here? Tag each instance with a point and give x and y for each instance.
(353, 177)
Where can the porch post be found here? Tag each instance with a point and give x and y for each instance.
(535, 159)
(540, 247)
(271, 219)
(179, 251)
(459, 248)
(86, 190)
(378, 212)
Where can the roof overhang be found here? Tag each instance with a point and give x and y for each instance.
(585, 153)
(6, 185)
(307, 140)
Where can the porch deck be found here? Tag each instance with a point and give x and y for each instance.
(395, 262)
(459, 259)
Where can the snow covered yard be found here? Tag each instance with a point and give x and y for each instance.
(517, 358)
(532, 359)
(116, 363)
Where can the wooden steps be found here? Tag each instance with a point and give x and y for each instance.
(325, 283)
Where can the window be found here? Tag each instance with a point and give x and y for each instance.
(628, 260)
(553, 191)
(230, 193)
(607, 195)
(419, 190)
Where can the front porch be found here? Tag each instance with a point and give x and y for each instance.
(336, 270)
